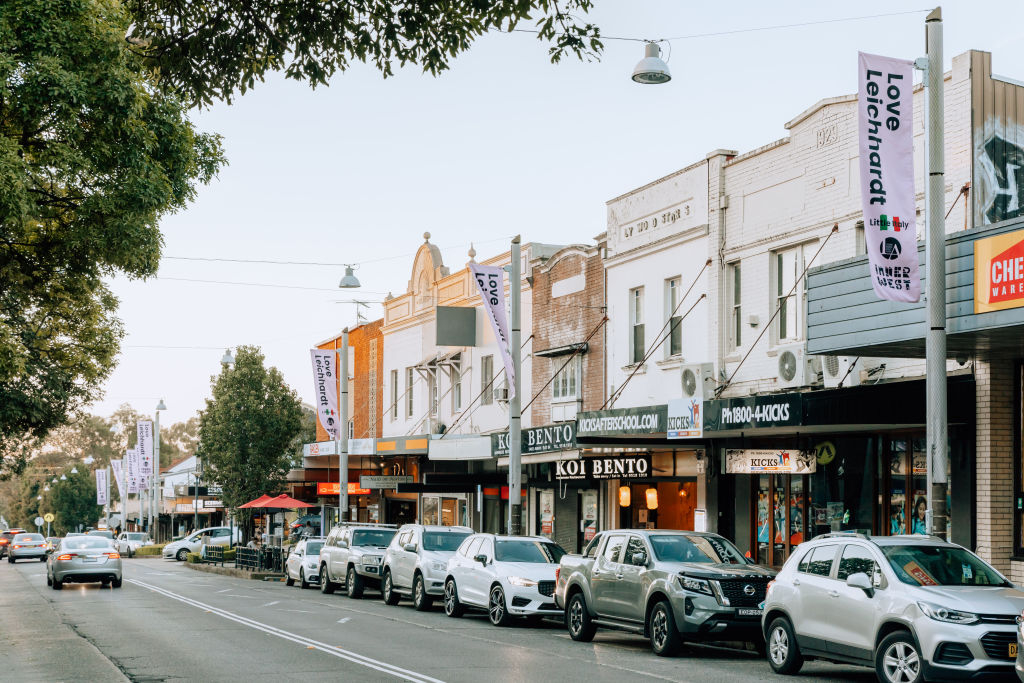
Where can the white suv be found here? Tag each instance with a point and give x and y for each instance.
(354, 551)
(416, 561)
(912, 607)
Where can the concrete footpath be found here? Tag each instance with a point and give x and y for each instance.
(37, 644)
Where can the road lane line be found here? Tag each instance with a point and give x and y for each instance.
(339, 652)
(224, 591)
(344, 620)
(270, 603)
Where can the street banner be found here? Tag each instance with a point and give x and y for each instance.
(131, 471)
(491, 282)
(144, 446)
(116, 466)
(885, 116)
(325, 386)
(101, 486)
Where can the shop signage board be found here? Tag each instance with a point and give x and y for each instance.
(999, 272)
(684, 419)
(331, 488)
(320, 448)
(546, 439)
(751, 461)
(213, 504)
(383, 481)
(623, 421)
(752, 412)
(636, 466)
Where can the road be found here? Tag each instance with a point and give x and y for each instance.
(171, 623)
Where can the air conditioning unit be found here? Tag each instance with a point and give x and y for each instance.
(795, 368)
(501, 394)
(698, 380)
(845, 369)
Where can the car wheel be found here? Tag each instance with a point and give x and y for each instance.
(497, 610)
(116, 583)
(42, 559)
(302, 579)
(665, 640)
(577, 620)
(10, 559)
(182, 555)
(452, 606)
(421, 602)
(897, 659)
(288, 580)
(783, 652)
(326, 585)
(388, 590)
(49, 581)
(104, 582)
(353, 584)
(57, 585)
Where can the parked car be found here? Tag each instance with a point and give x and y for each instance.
(912, 607)
(84, 559)
(509, 576)
(356, 552)
(130, 541)
(666, 585)
(51, 543)
(27, 547)
(219, 535)
(1019, 663)
(303, 563)
(416, 562)
(5, 539)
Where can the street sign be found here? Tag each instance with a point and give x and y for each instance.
(38, 521)
(367, 481)
(48, 517)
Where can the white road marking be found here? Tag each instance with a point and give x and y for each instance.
(341, 653)
(344, 620)
(270, 603)
(224, 591)
(303, 611)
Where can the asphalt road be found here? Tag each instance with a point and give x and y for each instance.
(171, 623)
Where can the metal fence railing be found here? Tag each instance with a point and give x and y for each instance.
(272, 558)
(247, 558)
(214, 554)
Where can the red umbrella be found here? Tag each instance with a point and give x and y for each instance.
(258, 503)
(285, 501)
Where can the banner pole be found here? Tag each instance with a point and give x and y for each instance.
(515, 466)
(343, 430)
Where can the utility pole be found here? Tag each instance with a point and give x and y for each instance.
(515, 465)
(935, 343)
(343, 430)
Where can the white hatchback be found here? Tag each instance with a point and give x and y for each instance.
(509, 576)
(303, 563)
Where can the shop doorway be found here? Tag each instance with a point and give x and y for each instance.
(780, 511)
(658, 505)
(905, 482)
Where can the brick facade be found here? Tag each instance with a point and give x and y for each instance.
(366, 372)
(994, 429)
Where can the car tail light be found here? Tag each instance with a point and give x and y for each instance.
(558, 570)
(16, 546)
(114, 556)
(66, 556)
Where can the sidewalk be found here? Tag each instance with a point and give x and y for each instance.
(38, 646)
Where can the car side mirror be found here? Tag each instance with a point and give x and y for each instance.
(482, 559)
(639, 558)
(861, 580)
(409, 547)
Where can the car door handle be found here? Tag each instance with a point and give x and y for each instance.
(618, 576)
(796, 582)
(595, 572)
(833, 594)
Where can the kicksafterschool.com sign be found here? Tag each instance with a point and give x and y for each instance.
(623, 421)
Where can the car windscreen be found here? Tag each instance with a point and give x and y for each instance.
(443, 540)
(314, 548)
(85, 543)
(527, 551)
(376, 537)
(104, 534)
(28, 538)
(940, 565)
(686, 548)
(136, 537)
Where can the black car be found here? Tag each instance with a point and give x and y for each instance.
(5, 540)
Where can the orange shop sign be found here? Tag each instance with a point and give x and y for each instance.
(999, 272)
(331, 488)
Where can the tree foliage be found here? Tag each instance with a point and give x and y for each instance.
(247, 429)
(73, 502)
(92, 155)
(209, 51)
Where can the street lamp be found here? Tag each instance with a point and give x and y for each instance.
(74, 470)
(89, 460)
(349, 281)
(227, 359)
(651, 70)
(54, 480)
(64, 477)
(154, 492)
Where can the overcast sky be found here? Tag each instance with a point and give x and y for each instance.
(504, 143)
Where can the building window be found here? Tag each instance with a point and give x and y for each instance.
(432, 393)
(789, 265)
(486, 380)
(860, 239)
(408, 391)
(456, 389)
(564, 386)
(636, 325)
(674, 319)
(735, 322)
(394, 394)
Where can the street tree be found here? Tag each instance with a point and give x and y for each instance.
(73, 501)
(92, 155)
(208, 51)
(247, 429)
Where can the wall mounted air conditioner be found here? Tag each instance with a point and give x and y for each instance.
(698, 380)
(501, 394)
(794, 367)
(845, 369)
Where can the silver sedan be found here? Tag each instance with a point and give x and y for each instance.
(84, 559)
(27, 547)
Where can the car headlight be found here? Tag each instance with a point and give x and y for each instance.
(373, 560)
(522, 581)
(696, 585)
(438, 566)
(944, 614)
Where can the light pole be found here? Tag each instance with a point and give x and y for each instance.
(226, 361)
(349, 281)
(515, 466)
(154, 487)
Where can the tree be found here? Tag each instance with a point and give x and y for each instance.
(73, 502)
(247, 428)
(209, 51)
(307, 434)
(92, 155)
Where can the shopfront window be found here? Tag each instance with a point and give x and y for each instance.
(781, 514)
(445, 511)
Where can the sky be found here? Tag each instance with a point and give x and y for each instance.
(503, 143)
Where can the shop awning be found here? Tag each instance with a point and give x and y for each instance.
(537, 458)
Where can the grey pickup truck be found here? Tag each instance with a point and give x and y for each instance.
(667, 585)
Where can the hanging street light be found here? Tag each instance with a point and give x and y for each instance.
(349, 281)
(74, 470)
(651, 70)
(226, 360)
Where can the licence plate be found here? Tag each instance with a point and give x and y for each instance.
(751, 612)
(89, 559)
(1013, 649)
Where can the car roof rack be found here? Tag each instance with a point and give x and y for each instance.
(846, 534)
